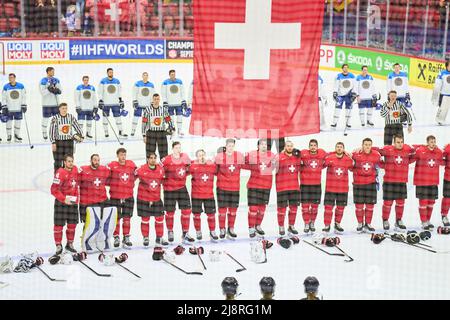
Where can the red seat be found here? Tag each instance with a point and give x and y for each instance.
(4, 25)
(14, 23)
(9, 10)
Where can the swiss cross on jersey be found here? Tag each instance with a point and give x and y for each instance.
(124, 177)
(339, 172)
(398, 160)
(431, 162)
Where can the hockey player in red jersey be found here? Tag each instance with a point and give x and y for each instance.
(176, 166)
(426, 178)
(149, 204)
(261, 164)
(367, 161)
(445, 206)
(311, 183)
(287, 184)
(229, 164)
(397, 158)
(203, 171)
(65, 190)
(121, 182)
(338, 165)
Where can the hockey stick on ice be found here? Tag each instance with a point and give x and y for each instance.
(137, 276)
(350, 258)
(411, 244)
(50, 278)
(182, 270)
(201, 260)
(318, 248)
(237, 270)
(28, 132)
(95, 272)
(112, 128)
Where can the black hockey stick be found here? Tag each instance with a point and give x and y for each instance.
(237, 270)
(28, 132)
(95, 131)
(50, 278)
(184, 271)
(319, 248)
(411, 244)
(201, 260)
(95, 272)
(350, 259)
(112, 128)
(137, 276)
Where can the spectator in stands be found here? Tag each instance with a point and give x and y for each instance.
(87, 24)
(443, 4)
(69, 19)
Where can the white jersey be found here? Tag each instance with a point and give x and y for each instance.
(365, 87)
(442, 83)
(110, 90)
(49, 99)
(399, 83)
(85, 97)
(172, 92)
(143, 93)
(191, 93)
(321, 89)
(14, 96)
(344, 84)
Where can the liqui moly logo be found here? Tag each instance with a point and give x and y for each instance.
(20, 50)
(53, 50)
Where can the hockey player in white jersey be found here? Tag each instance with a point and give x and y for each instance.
(86, 105)
(110, 99)
(143, 91)
(14, 105)
(190, 94)
(172, 93)
(344, 86)
(322, 103)
(367, 96)
(441, 94)
(398, 81)
(50, 88)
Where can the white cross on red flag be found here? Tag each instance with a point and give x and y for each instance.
(256, 67)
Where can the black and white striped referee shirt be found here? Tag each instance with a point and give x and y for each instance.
(62, 128)
(393, 115)
(156, 119)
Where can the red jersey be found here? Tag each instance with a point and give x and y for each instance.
(150, 181)
(229, 170)
(337, 172)
(396, 163)
(312, 165)
(202, 179)
(65, 183)
(426, 172)
(176, 170)
(121, 179)
(286, 178)
(93, 184)
(365, 169)
(446, 156)
(260, 166)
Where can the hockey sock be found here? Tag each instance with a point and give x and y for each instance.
(105, 124)
(57, 234)
(197, 222)
(185, 219)
(252, 213)
(44, 126)
(281, 214)
(348, 116)
(70, 232)
(423, 209)
(231, 217)
(212, 222)
(369, 213)
(314, 209)
(359, 210)
(169, 220)
(337, 113)
(399, 208)
(430, 206)
(159, 226)
(117, 230)
(327, 215)
(338, 214)
(9, 127)
(145, 228)
(260, 216)
(387, 205)
(179, 123)
(362, 116)
(369, 114)
(222, 217)
(17, 126)
(81, 123)
(445, 206)
(305, 213)
(134, 124)
(126, 226)
(119, 123)
(292, 215)
(88, 126)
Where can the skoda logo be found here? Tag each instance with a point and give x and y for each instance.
(379, 63)
(341, 57)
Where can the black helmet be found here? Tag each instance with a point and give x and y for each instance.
(311, 285)
(267, 285)
(229, 285)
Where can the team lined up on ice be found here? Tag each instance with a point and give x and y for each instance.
(297, 180)
(88, 100)
(348, 89)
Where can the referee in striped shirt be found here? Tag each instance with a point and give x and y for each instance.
(395, 114)
(156, 125)
(62, 135)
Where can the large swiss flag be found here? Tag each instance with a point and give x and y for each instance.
(255, 67)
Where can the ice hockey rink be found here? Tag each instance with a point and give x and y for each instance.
(386, 271)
